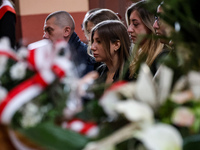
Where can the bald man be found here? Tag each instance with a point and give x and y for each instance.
(60, 25)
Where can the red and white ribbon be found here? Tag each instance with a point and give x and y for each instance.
(89, 129)
(6, 50)
(5, 7)
(43, 59)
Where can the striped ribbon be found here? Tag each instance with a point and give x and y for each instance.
(47, 64)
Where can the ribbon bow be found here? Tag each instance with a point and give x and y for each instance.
(43, 58)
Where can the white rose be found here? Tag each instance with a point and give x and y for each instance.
(3, 93)
(3, 63)
(18, 71)
(22, 53)
(31, 115)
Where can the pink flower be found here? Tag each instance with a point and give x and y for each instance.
(183, 116)
(182, 97)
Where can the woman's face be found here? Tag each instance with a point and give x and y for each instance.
(136, 27)
(89, 27)
(97, 48)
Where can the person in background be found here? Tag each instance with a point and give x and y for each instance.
(85, 20)
(97, 17)
(161, 28)
(60, 25)
(110, 44)
(140, 28)
(8, 21)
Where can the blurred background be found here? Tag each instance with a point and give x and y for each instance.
(32, 13)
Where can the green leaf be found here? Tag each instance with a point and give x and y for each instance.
(53, 137)
(191, 142)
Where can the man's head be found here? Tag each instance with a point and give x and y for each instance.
(161, 28)
(58, 25)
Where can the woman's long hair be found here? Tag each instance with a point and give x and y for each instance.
(112, 31)
(149, 50)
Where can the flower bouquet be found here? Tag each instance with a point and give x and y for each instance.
(41, 96)
(34, 91)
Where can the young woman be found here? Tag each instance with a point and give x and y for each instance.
(140, 28)
(110, 44)
(96, 17)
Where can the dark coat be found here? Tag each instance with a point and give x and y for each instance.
(7, 27)
(83, 62)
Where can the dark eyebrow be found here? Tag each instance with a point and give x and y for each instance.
(133, 20)
(48, 29)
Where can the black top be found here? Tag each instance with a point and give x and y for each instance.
(83, 62)
(103, 69)
(7, 27)
(159, 59)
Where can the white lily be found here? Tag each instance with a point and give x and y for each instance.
(150, 92)
(160, 137)
(145, 90)
(108, 103)
(135, 111)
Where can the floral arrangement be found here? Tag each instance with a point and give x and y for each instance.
(42, 98)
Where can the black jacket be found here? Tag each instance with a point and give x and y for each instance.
(83, 62)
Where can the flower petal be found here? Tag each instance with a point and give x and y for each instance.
(194, 81)
(161, 137)
(165, 82)
(145, 88)
(135, 111)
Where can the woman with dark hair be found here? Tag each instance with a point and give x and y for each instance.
(7, 21)
(110, 44)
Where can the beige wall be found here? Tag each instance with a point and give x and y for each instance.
(29, 7)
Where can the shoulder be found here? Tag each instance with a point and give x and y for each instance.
(159, 59)
(76, 43)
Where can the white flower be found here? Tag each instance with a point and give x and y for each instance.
(31, 115)
(160, 137)
(135, 111)
(183, 116)
(97, 146)
(180, 84)
(108, 103)
(165, 75)
(3, 93)
(22, 53)
(145, 84)
(18, 71)
(127, 90)
(3, 64)
(150, 92)
(182, 97)
(5, 43)
(194, 83)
